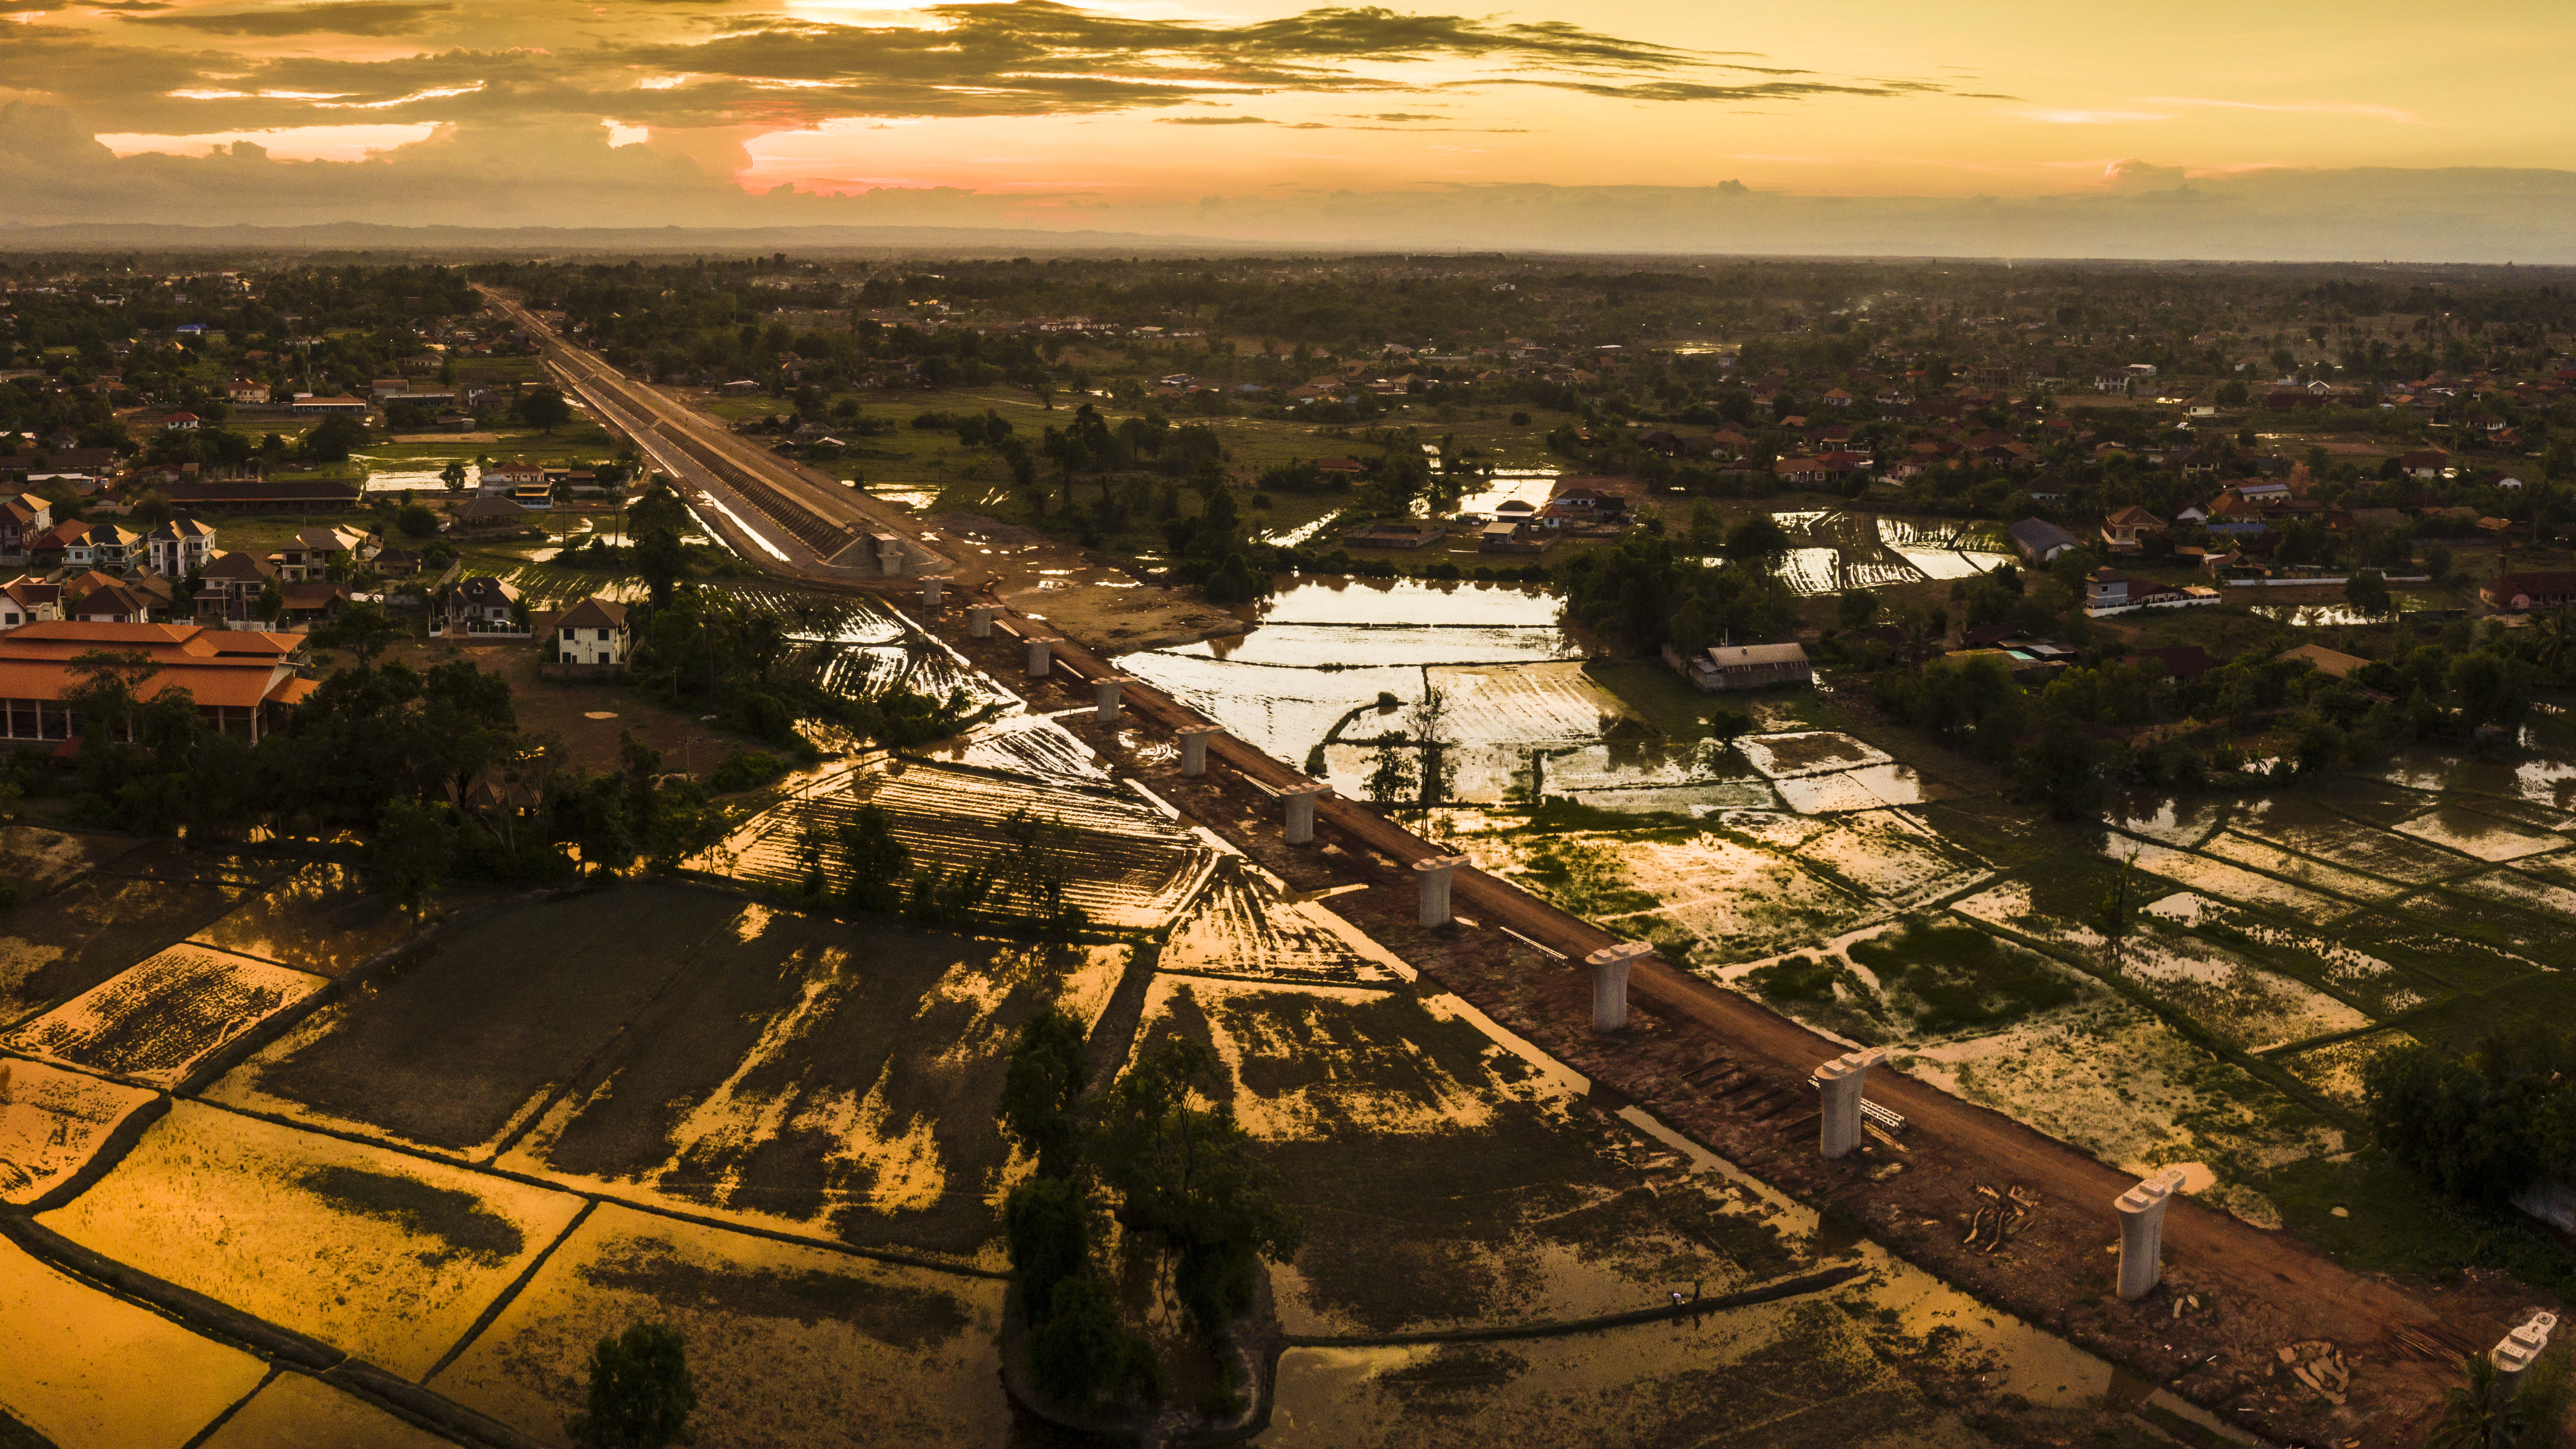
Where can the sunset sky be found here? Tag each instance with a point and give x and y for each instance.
(1038, 107)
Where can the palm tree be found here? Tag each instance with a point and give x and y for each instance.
(2557, 636)
(2483, 1413)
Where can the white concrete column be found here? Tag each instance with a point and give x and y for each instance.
(1435, 871)
(1300, 800)
(1194, 743)
(1839, 1083)
(1041, 657)
(2142, 1232)
(1104, 696)
(889, 556)
(1610, 982)
(934, 587)
(979, 621)
(2522, 1348)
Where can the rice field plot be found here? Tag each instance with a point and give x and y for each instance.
(384, 1255)
(51, 1122)
(1282, 711)
(1627, 763)
(807, 1075)
(2334, 1069)
(2209, 876)
(1792, 1376)
(1807, 752)
(1026, 744)
(1719, 899)
(2301, 870)
(295, 1408)
(2494, 917)
(2232, 998)
(2550, 783)
(1444, 1180)
(2321, 835)
(1809, 572)
(1871, 787)
(788, 1345)
(154, 1022)
(2123, 1085)
(1695, 801)
(42, 861)
(1131, 866)
(1243, 926)
(2172, 820)
(2363, 798)
(100, 924)
(109, 1373)
(1937, 978)
(1891, 859)
(2479, 834)
(2380, 987)
(465, 1043)
(321, 919)
(2514, 887)
(1528, 705)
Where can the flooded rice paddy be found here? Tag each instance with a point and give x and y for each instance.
(1834, 550)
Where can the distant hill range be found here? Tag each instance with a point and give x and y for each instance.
(353, 236)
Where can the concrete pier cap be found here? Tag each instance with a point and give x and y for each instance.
(2522, 1348)
(1104, 696)
(979, 620)
(1041, 657)
(889, 555)
(2142, 1232)
(1435, 872)
(934, 588)
(1300, 800)
(1839, 1083)
(1194, 743)
(1610, 982)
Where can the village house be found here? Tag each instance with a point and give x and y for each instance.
(2520, 593)
(244, 683)
(65, 545)
(1725, 667)
(2040, 540)
(2128, 530)
(21, 519)
(311, 553)
(179, 547)
(502, 480)
(229, 586)
(479, 606)
(592, 634)
(29, 601)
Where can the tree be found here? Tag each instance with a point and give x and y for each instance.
(544, 408)
(641, 1394)
(1042, 1091)
(453, 475)
(272, 600)
(1048, 1226)
(2118, 912)
(364, 629)
(2367, 593)
(1392, 777)
(2481, 1412)
(410, 851)
(1187, 1177)
(1758, 542)
(1856, 608)
(1083, 1353)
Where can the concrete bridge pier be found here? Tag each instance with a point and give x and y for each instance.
(933, 589)
(1104, 696)
(1610, 982)
(2142, 1232)
(1300, 800)
(1041, 657)
(1194, 743)
(1435, 871)
(979, 621)
(1839, 1082)
(889, 555)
